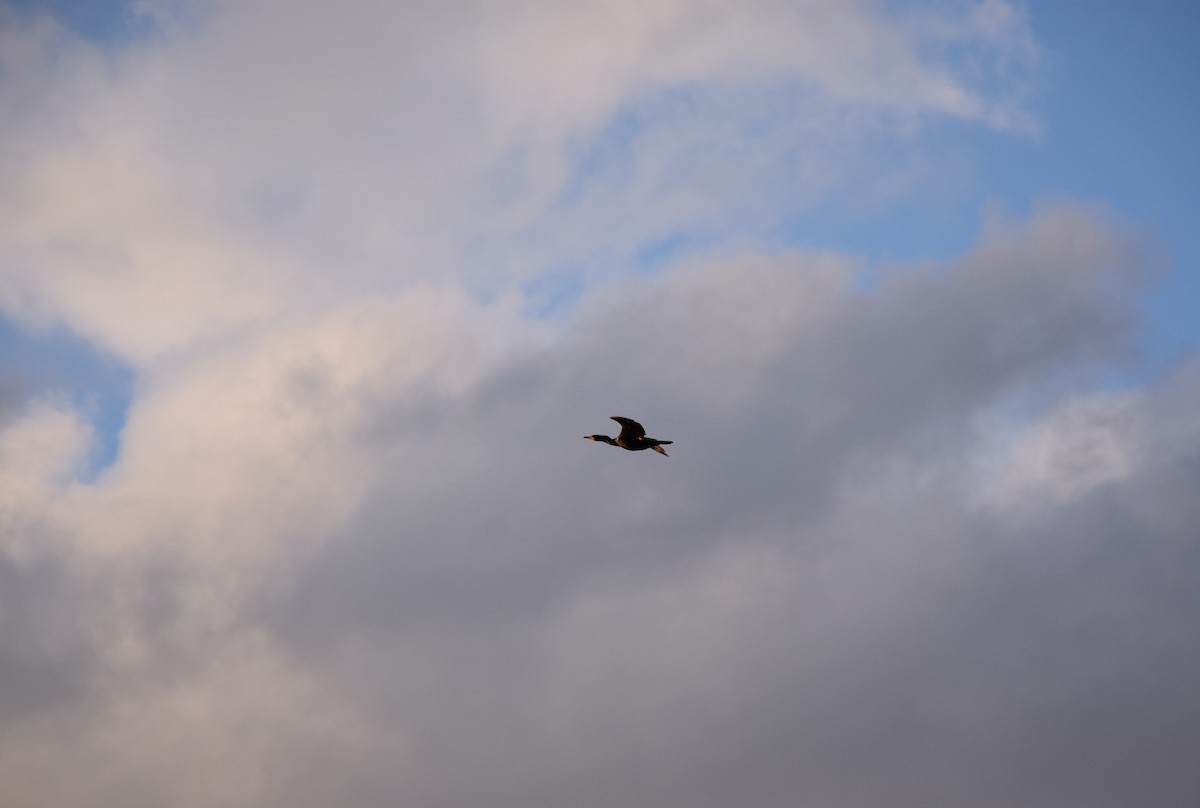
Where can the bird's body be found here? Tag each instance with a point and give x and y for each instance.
(632, 437)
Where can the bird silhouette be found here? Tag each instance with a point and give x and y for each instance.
(632, 437)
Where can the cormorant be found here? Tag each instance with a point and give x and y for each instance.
(632, 437)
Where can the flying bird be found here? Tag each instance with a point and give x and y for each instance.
(632, 437)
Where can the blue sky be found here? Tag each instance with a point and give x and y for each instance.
(1119, 128)
(305, 309)
(1114, 98)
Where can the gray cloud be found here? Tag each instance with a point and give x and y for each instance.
(804, 602)
(46, 657)
(853, 582)
(11, 395)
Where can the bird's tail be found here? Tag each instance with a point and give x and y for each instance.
(658, 447)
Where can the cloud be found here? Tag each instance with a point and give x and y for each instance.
(263, 157)
(396, 575)
(352, 549)
(10, 394)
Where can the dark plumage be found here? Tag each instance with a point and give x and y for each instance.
(632, 437)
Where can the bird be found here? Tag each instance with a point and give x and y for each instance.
(632, 437)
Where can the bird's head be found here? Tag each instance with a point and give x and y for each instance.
(600, 438)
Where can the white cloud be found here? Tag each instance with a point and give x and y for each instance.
(1083, 444)
(41, 449)
(45, 444)
(273, 156)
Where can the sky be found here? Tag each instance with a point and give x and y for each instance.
(306, 307)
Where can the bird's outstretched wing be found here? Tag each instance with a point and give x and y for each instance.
(631, 430)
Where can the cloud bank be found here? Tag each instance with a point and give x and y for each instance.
(909, 550)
